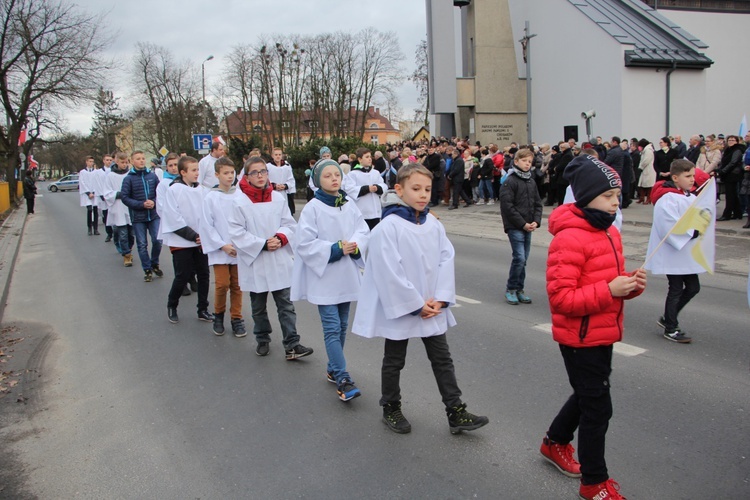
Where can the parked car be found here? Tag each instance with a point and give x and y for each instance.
(67, 183)
(41, 178)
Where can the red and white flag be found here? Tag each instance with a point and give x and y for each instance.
(33, 163)
(22, 137)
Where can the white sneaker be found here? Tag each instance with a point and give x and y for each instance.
(480, 202)
(491, 202)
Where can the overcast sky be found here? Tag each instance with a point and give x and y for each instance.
(199, 28)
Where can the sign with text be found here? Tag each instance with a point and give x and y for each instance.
(498, 133)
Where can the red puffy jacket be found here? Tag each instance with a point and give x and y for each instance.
(581, 262)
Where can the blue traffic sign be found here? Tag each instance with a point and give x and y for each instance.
(201, 141)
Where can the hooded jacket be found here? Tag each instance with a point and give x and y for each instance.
(581, 262)
(667, 186)
(520, 202)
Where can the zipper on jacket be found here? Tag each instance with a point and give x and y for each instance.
(145, 190)
(584, 329)
(619, 272)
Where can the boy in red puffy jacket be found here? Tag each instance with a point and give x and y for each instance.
(587, 285)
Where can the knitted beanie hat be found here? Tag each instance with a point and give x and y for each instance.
(589, 177)
(318, 170)
(324, 150)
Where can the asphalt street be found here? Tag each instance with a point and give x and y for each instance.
(116, 402)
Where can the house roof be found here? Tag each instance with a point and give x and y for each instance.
(421, 129)
(657, 42)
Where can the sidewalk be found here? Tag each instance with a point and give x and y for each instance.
(11, 230)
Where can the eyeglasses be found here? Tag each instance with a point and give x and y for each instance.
(256, 173)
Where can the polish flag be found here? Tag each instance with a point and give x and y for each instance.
(33, 163)
(22, 137)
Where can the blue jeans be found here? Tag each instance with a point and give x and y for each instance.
(485, 189)
(335, 319)
(140, 229)
(520, 243)
(123, 238)
(287, 317)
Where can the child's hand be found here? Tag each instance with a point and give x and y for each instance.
(622, 285)
(229, 250)
(273, 243)
(148, 204)
(374, 188)
(534, 225)
(430, 309)
(198, 240)
(528, 227)
(640, 278)
(349, 247)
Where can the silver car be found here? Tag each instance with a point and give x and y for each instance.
(67, 183)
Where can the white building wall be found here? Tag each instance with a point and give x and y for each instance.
(576, 66)
(724, 99)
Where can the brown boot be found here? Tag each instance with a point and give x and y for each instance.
(127, 260)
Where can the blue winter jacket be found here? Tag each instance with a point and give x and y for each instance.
(137, 187)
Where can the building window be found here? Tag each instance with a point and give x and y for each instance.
(374, 125)
(257, 128)
(312, 123)
(285, 124)
(374, 139)
(343, 124)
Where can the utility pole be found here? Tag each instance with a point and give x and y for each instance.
(526, 45)
(203, 81)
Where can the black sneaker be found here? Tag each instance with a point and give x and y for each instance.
(108, 238)
(262, 349)
(158, 272)
(298, 351)
(394, 419)
(147, 276)
(96, 232)
(677, 335)
(172, 315)
(330, 377)
(662, 322)
(347, 390)
(205, 316)
(186, 291)
(461, 420)
(219, 324)
(238, 328)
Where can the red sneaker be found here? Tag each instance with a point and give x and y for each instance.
(561, 456)
(608, 490)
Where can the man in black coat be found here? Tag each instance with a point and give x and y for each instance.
(566, 156)
(432, 162)
(456, 176)
(694, 151)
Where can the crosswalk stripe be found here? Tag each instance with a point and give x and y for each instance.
(619, 347)
(467, 300)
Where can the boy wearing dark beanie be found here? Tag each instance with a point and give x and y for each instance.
(587, 284)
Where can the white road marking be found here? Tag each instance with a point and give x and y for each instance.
(619, 348)
(467, 300)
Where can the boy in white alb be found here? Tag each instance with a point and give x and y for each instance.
(281, 177)
(367, 186)
(181, 220)
(118, 215)
(217, 244)
(87, 197)
(104, 207)
(328, 255)
(407, 287)
(261, 227)
(672, 198)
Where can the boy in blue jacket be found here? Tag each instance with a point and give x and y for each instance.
(139, 195)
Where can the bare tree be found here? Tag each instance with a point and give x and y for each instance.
(421, 80)
(49, 56)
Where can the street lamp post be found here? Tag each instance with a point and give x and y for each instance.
(203, 81)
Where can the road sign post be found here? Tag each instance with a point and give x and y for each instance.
(202, 143)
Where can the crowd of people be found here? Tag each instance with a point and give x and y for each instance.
(367, 235)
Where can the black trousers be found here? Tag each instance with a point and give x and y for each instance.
(92, 217)
(588, 409)
(188, 262)
(458, 190)
(107, 228)
(30, 205)
(439, 355)
(682, 288)
(290, 201)
(732, 209)
(436, 195)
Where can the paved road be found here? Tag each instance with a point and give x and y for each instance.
(121, 404)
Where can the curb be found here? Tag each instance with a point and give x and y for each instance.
(11, 233)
